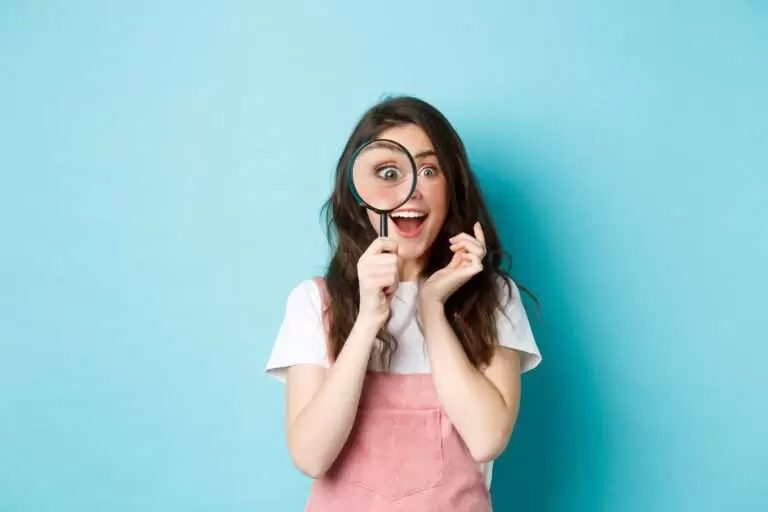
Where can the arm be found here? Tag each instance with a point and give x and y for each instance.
(482, 405)
(322, 403)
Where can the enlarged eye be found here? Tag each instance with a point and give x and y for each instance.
(388, 173)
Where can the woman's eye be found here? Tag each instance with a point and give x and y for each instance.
(428, 171)
(389, 173)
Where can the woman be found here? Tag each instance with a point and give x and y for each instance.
(403, 363)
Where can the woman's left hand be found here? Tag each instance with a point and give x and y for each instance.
(468, 254)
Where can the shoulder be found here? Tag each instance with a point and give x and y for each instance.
(301, 335)
(305, 296)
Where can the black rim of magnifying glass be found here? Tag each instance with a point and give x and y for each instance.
(350, 182)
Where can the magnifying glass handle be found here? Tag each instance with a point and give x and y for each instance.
(383, 233)
(383, 225)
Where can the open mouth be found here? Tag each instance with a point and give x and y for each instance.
(408, 222)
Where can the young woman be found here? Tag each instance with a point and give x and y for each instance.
(402, 364)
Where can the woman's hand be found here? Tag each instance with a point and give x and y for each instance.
(468, 254)
(377, 274)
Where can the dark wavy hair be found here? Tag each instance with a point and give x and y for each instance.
(472, 309)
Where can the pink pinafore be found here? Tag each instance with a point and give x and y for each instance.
(403, 454)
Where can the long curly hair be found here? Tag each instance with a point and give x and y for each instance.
(472, 309)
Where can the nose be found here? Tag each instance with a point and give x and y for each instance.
(416, 194)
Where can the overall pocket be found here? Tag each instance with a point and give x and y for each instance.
(393, 452)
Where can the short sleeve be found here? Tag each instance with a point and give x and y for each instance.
(514, 329)
(301, 337)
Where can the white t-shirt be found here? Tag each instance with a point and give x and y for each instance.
(301, 337)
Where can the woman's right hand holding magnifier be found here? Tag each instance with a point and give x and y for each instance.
(377, 271)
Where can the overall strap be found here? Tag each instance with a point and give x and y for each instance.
(325, 308)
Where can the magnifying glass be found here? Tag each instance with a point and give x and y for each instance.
(382, 177)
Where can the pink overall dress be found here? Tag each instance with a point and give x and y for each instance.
(403, 454)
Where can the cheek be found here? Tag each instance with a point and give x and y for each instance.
(436, 196)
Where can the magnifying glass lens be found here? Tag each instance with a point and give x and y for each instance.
(383, 175)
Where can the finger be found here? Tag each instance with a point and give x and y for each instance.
(383, 259)
(386, 274)
(375, 277)
(382, 245)
(469, 244)
(373, 269)
(384, 271)
(467, 258)
(479, 234)
(383, 281)
(470, 265)
(464, 236)
(473, 247)
(474, 261)
(369, 271)
(456, 260)
(479, 240)
(389, 269)
(378, 246)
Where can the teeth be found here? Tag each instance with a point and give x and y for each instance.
(409, 215)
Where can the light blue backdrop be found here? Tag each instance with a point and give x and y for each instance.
(162, 172)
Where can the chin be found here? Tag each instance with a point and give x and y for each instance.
(414, 249)
(409, 252)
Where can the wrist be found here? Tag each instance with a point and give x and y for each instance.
(430, 298)
(365, 328)
(430, 308)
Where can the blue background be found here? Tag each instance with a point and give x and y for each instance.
(162, 168)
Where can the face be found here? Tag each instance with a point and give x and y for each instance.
(416, 224)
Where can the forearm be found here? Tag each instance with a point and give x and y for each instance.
(319, 431)
(471, 401)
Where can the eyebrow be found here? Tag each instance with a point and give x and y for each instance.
(426, 152)
(383, 144)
